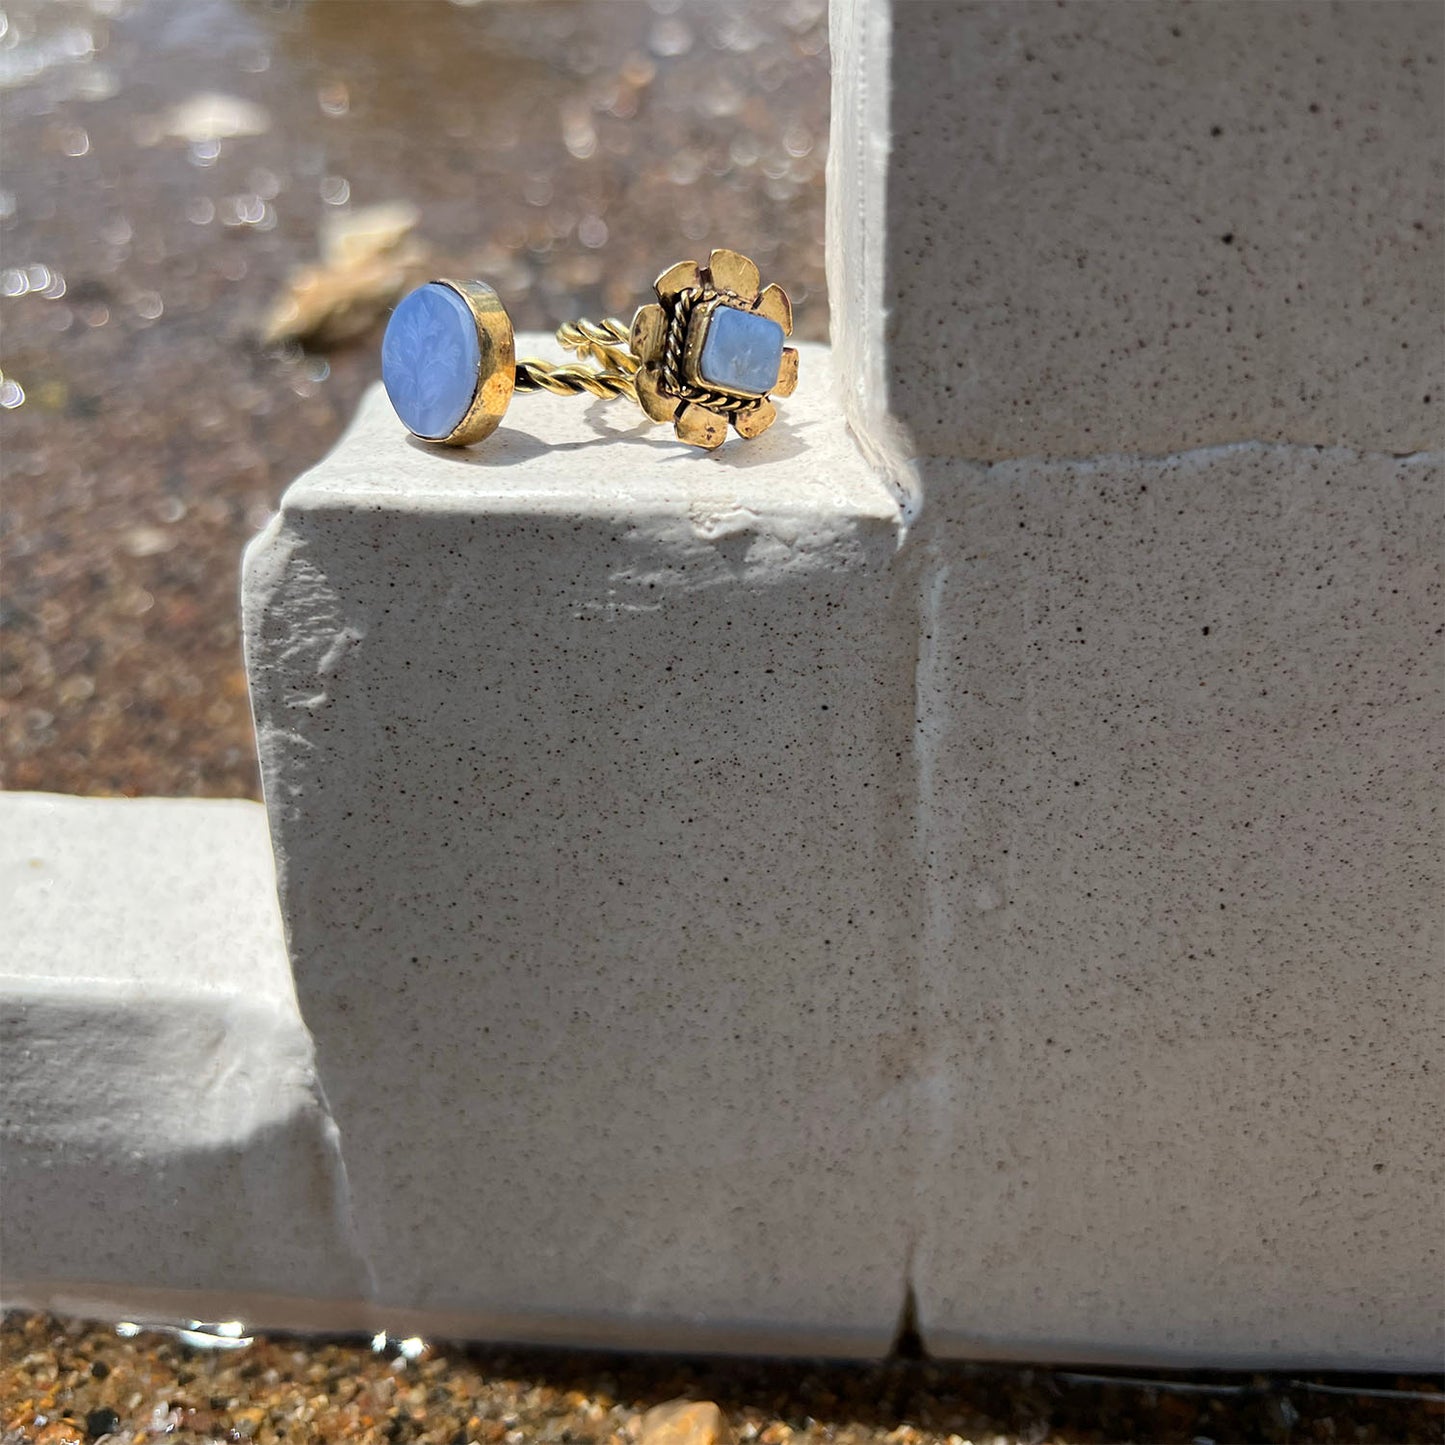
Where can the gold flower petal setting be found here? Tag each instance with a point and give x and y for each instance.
(711, 349)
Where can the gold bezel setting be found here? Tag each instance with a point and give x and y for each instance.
(697, 329)
(496, 368)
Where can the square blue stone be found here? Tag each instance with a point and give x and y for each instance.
(741, 351)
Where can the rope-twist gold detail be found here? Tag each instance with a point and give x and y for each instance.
(603, 341)
(607, 341)
(573, 380)
(672, 378)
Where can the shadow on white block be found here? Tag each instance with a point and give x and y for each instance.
(579, 751)
(163, 1148)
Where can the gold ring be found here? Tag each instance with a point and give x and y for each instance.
(710, 349)
(707, 352)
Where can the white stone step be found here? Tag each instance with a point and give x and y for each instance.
(579, 748)
(741, 900)
(163, 1149)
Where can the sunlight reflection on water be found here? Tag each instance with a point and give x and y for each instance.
(168, 167)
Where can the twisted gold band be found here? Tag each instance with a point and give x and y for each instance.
(601, 341)
(572, 380)
(606, 341)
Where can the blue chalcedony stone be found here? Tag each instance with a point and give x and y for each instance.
(742, 351)
(429, 360)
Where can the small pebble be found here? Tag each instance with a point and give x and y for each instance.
(685, 1422)
(103, 1421)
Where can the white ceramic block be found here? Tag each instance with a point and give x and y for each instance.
(755, 919)
(581, 750)
(1139, 226)
(163, 1152)
(1179, 761)
(1177, 917)
(728, 893)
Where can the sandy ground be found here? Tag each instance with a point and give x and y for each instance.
(83, 1381)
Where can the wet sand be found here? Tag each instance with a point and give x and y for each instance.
(566, 152)
(283, 1390)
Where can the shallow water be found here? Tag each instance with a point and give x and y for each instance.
(166, 166)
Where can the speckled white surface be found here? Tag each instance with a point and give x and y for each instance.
(729, 894)
(1179, 765)
(1122, 811)
(762, 919)
(161, 1136)
(1177, 761)
(1163, 226)
(580, 750)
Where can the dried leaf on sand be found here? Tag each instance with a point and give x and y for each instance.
(368, 258)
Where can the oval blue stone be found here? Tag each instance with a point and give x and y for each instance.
(429, 360)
